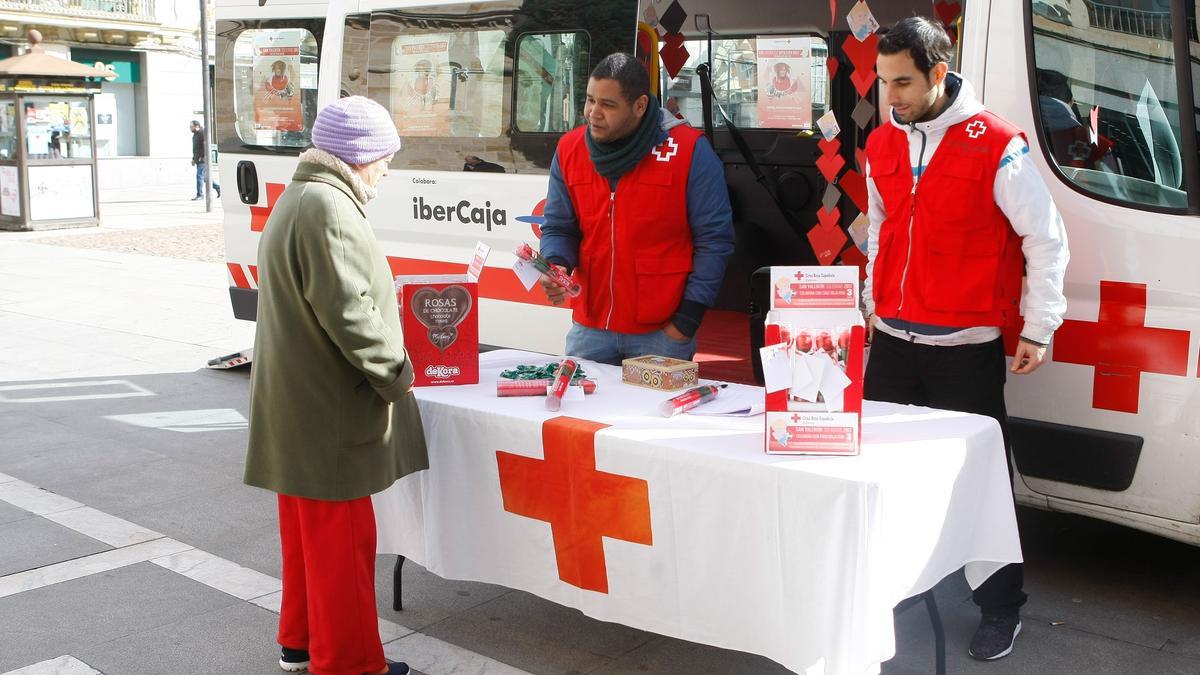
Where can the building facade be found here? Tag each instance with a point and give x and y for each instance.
(141, 120)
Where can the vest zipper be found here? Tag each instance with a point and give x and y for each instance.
(612, 258)
(912, 215)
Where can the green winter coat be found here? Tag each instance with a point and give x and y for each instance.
(331, 414)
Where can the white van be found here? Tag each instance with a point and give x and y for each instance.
(482, 91)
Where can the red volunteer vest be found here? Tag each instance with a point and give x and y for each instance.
(948, 255)
(636, 249)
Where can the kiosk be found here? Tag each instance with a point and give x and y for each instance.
(47, 144)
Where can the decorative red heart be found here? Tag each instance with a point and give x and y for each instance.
(863, 80)
(829, 147)
(440, 309)
(830, 165)
(947, 11)
(826, 242)
(861, 54)
(828, 218)
(854, 186)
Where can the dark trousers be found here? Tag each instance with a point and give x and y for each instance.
(966, 378)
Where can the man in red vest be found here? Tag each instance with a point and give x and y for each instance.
(958, 214)
(638, 212)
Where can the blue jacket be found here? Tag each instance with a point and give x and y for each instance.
(709, 216)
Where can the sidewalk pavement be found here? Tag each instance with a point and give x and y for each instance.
(128, 543)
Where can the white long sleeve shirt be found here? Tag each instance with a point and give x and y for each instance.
(1023, 197)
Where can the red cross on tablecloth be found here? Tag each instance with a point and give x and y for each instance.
(1121, 347)
(259, 214)
(581, 504)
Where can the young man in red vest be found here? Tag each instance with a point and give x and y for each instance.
(958, 214)
(638, 211)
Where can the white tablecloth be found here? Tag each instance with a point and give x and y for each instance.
(799, 559)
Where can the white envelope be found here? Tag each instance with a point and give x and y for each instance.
(807, 374)
(833, 385)
(527, 273)
(777, 369)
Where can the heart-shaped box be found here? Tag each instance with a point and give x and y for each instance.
(440, 318)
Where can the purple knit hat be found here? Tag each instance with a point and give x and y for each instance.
(356, 130)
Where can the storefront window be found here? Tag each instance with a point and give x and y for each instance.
(8, 130)
(57, 128)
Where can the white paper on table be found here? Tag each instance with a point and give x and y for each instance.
(807, 373)
(527, 273)
(737, 403)
(777, 367)
(833, 385)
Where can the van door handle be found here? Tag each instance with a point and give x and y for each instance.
(247, 182)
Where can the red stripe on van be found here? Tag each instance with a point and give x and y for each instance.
(494, 283)
(254, 273)
(239, 277)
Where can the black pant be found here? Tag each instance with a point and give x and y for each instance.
(966, 378)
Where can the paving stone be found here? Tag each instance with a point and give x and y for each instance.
(70, 617)
(537, 635)
(29, 543)
(10, 513)
(427, 597)
(158, 482)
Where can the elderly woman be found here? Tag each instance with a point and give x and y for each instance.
(332, 415)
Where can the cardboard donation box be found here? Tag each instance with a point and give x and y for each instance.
(813, 361)
(440, 317)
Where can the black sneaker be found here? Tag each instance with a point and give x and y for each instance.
(218, 191)
(995, 637)
(397, 668)
(293, 660)
(197, 197)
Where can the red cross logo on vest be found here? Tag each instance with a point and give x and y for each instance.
(976, 129)
(259, 214)
(666, 151)
(582, 505)
(1120, 347)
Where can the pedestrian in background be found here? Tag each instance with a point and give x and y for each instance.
(332, 415)
(200, 160)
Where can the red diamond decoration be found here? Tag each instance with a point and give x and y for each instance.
(826, 242)
(829, 166)
(860, 160)
(831, 64)
(948, 12)
(854, 186)
(673, 53)
(829, 147)
(828, 218)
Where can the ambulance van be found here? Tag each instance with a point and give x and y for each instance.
(481, 92)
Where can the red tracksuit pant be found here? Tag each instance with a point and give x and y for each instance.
(329, 584)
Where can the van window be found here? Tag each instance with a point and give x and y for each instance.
(763, 82)
(356, 41)
(275, 86)
(552, 73)
(1107, 100)
(438, 83)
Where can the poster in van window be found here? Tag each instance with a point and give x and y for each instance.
(420, 86)
(277, 81)
(784, 83)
